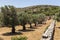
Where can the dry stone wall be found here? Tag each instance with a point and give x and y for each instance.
(48, 34)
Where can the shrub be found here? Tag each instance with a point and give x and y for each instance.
(57, 17)
(19, 38)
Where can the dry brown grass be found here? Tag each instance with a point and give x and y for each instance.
(57, 31)
(32, 35)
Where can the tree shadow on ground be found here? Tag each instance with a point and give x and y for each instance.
(32, 27)
(28, 30)
(11, 34)
(39, 25)
(58, 27)
(35, 27)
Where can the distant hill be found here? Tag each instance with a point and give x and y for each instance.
(40, 9)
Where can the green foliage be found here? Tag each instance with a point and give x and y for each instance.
(49, 10)
(30, 18)
(57, 17)
(1, 19)
(35, 18)
(41, 18)
(38, 18)
(23, 17)
(9, 15)
(19, 38)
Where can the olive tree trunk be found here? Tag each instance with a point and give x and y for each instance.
(13, 29)
(24, 28)
(30, 25)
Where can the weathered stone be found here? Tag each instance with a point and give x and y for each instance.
(49, 32)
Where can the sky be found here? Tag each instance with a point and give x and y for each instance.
(26, 3)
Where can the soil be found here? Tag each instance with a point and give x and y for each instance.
(32, 34)
(57, 31)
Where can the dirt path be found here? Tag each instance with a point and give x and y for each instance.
(57, 31)
(32, 35)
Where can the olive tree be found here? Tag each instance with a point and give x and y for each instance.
(10, 16)
(23, 17)
(30, 19)
(35, 18)
(4, 10)
(42, 18)
(57, 16)
(38, 18)
(1, 20)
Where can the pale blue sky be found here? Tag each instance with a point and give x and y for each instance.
(25, 3)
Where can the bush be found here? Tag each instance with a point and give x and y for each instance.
(19, 38)
(57, 17)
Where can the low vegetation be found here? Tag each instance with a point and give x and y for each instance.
(57, 17)
(19, 38)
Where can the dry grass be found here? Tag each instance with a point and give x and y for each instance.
(57, 31)
(32, 34)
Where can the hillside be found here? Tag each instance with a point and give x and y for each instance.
(40, 9)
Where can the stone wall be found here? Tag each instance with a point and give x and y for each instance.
(48, 34)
